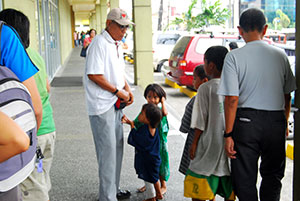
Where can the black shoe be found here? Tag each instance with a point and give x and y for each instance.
(123, 194)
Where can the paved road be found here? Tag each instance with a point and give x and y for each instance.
(74, 172)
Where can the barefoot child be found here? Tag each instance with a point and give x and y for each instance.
(155, 94)
(145, 139)
(199, 78)
(209, 172)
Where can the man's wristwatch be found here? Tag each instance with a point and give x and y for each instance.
(226, 135)
(115, 92)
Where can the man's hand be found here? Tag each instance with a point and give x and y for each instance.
(229, 148)
(130, 101)
(123, 95)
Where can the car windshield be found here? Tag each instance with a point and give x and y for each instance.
(180, 47)
(167, 39)
(204, 43)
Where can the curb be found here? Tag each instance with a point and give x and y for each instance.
(182, 89)
(172, 84)
(188, 92)
(290, 151)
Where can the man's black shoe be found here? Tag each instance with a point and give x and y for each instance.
(123, 194)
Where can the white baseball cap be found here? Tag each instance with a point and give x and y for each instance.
(120, 16)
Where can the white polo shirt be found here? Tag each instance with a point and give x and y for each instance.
(104, 57)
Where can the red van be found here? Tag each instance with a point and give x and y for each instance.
(189, 53)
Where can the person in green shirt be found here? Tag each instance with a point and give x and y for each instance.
(155, 94)
(38, 184)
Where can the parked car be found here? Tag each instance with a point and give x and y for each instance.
(163, 44)
(293, 108)
(189, 53)
(293, 68)
(128, 52)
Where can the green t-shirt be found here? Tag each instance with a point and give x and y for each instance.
(47, 125)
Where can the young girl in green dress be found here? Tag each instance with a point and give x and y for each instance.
(155, 94)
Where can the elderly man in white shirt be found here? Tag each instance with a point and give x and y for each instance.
(105, 87)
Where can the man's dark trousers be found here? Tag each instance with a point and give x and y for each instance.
(258, 133)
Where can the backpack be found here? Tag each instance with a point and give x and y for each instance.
(15, 101)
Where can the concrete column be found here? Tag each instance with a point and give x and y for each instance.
(98, 18)
(236, 13)
(114, 4)
(103, 9)
(91, 22)
(296, 180)
(143, 65)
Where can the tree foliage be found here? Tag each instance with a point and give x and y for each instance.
(210, 15)
(281, 21)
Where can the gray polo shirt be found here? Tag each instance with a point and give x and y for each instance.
(259, 74)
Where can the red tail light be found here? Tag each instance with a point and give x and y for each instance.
(182, 64)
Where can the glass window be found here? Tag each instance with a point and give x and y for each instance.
(204, 43)
(167, 39)
(180, 47)
(239, 42)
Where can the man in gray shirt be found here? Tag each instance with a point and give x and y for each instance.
(256, 82)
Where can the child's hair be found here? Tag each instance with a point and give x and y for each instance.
(199, 72)
(216, 54)
(233, 45)
(19, 22)
(156, 89)
(153, 114)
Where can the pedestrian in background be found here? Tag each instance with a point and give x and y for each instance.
(256, 81)
(37, 186)
(209, 171)
(233, 45)
(75, 38)
(185, 127)
(82, 37)
(105, 85)
(87, 40)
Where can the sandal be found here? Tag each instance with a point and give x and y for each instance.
(141, 190)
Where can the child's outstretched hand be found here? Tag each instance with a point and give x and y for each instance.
(127, 121)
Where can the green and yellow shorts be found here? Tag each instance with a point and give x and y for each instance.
(206, 187)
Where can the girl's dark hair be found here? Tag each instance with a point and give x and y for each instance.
(92, 30)
(156, 89)
(216, 54)
(153, 114)
(19, 22)
(252, 19)
(199, 72)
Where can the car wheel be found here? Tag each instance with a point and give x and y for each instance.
(159, 65)
(191, 88)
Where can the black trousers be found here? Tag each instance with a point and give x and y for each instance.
(258, 133)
